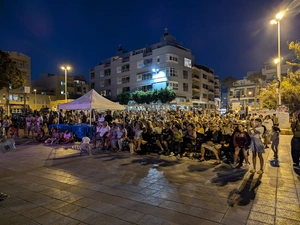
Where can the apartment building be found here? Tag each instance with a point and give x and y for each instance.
(164, 64)
(50, 84)
(23, 64)
(243, 92)
(205, 88)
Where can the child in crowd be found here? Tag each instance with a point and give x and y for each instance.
(275, 140)
(85, 144)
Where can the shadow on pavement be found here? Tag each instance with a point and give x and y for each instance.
(227, 176)
(199, 167)
(246, 194)
(274, 163)
(155, 161)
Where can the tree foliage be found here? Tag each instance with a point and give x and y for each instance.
(268, 97)
(124, 98)
(140, 97)
(10, 75)
(166, 95)
(289, 87)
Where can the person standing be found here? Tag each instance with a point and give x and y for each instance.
(295, 143)
(275, 140)
(257, 146)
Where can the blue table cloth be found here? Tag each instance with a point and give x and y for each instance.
(80, 130)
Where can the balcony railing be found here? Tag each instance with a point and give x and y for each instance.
(196, 76)
(196, 87)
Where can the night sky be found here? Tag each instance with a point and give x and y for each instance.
(230, 36)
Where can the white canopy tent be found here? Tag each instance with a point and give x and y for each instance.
(89, 101)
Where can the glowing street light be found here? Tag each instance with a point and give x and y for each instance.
(66, 68)
(34, 98)
(278, 17)
(276, 61)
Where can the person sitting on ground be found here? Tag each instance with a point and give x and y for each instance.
(40, 135)
(66, 138)
(54, 137)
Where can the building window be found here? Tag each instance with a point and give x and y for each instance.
(172, 72)
(101, 73)
(140, 64)
(125, 68)
(187, 63)
(144, 76)
(185, 87)
(119, 69)
(107, 72)
(92, 75)
(92, 85)
(126, 59)
(204, 95)
(185, 75)
(124, 89)
(144, 63)
(158, 60)
(204, 76)
(172, 85)
(62, 83)
(144, 88)
(172, 58)
(123, 80)
(105, 92)
(205, 86)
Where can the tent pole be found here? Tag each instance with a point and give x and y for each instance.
(90, 117)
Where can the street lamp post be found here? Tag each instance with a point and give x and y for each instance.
(66, 68)
(34, 99)
(279, 16)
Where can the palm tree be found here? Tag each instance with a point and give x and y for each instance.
(228, 82)
(256, 78)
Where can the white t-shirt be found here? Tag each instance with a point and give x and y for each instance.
(103, 130)
(86, 140)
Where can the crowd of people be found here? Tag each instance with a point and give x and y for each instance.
(181, 133)
(176, 133)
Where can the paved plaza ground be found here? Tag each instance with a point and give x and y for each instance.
(54, 185)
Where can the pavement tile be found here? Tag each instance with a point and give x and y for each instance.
(232, 222)
(261, 217)
(210, 215)
(49, 218)
(84, 202)
(254, 222)
(169, 223)
(66, 221)
(285, 221)
(150, 220)
(71, 198)
(55, 204)
(291, 207)
(18, 219)
(263, 209)
(82, 214)
(95, 220)
(36, 212)
(68, 209)
(131, 216)
(292, 215)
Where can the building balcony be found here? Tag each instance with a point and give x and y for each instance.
(196, 87)
(196, 77)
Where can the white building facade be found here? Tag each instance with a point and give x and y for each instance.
(164, 64)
